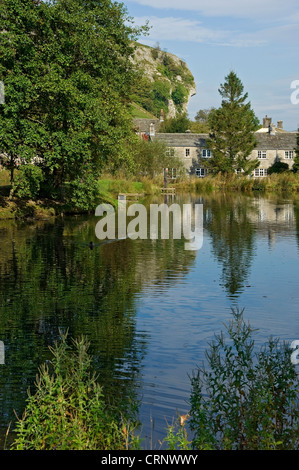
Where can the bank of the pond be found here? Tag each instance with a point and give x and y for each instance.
(108, 191)
(110, 187)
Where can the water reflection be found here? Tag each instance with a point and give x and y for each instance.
(147, 306)
(52, 281)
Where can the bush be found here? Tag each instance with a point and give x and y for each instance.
(68, 411)
(278, 167)
(82, 192)
(151, 158)
(28, 182)
(245, 401)
(179, 95)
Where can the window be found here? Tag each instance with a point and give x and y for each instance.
(261, 154)
(289, 154)
(206, 153)
(200, 172)
(170, 152)
(187, 153)
(260, 172)
(172, 173)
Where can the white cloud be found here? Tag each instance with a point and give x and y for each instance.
(188, 30)
(180, 29)
(234, 8)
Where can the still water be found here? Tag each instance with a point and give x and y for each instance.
(148, 307)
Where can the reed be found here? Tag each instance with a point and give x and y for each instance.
(287, 182)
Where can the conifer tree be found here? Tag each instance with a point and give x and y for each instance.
(232, 128)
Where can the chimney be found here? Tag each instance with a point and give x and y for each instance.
(279, 124)
(162, 116)
(267, 121)
(152, 129)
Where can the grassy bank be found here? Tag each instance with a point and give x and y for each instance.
(284, 182)
(109, 187)
(107, 191)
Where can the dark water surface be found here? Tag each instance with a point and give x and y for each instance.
(148, 307)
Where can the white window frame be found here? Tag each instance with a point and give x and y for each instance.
(200, 172)
(260, 172)
(187, 152)
(172, 173)
(206, 153)
(262, 154)
(289, 154)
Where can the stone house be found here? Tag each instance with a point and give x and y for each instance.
(273, 144)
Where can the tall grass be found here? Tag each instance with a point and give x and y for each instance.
(4, 176)
(284, 182)
(68, 410)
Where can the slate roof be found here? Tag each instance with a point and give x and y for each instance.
(279, 141)
(183, 140)
(143, 125)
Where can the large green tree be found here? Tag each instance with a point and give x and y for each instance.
(68, 75)
(232, 128)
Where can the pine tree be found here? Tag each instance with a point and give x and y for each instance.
(232, 128)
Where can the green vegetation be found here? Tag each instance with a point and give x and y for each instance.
(68, 77)
(140, 113)
(287, 182)
(180, 123)
(166, 78)
(278, 167)
(68, 411)
(201, 122)
(243, 399)
(232, 128)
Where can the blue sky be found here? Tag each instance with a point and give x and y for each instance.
(257, 39)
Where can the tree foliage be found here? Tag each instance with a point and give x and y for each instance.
(232, 128)
(178, 124)
(201, 121)
(152, 157)
(67, 74)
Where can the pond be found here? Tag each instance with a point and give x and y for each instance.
(149, 307)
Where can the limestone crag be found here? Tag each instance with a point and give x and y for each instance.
(162, 66)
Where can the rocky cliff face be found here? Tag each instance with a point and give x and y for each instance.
(168, 83)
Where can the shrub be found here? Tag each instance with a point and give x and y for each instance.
(278, 167)
(179, 94)
(28, 182)
(243, 400)
(68, 411)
